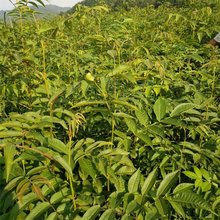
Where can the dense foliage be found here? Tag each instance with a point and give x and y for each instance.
(110, 114)
(125, 4)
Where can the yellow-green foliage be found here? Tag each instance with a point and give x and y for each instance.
(110, 114)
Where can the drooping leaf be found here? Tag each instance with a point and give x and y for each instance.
(63, 163)
(37, 190)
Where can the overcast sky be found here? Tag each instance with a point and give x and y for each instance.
(6, 5)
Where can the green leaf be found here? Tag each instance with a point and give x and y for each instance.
(86, 103)
(52, 216)
(142, 117)
(156, 130)
(14, 125)
(58, 196)
(131, 125)
(190, 174)
(12, 184)
(132, 206)
(115, 199)
(178, 208)
(53, 120)
(57, 145)
(124, 103)
(14, 212)
(181, 108)
(145, 138)
(128, 197)
(205, 174)
(190, 198)
(5, 216)
(97, 144)
(63, 163)
(36, 136)
(87, 166)
(91, 213)
(38, 210)
(27, 199)
(109, 214)
(134, 182)
(84, 87)
(126, 217)
(206, 186)
(54, 98)
(197, 172)
(103, 81)
(8, 134)
(162, 206)
(216, 203)
(111, 152)
(167, 183)
(173, 121)
(160, 108)
(152, 214)
(149, 182)
(45, 29)
(183, 187)
(122, 115)
(41, 2)
(9, 153)
(33, 3)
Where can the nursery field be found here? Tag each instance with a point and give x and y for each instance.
(110, 114)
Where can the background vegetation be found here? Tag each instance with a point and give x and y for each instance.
(110, 114)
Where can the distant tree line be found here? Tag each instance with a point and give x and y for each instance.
(126, 4)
